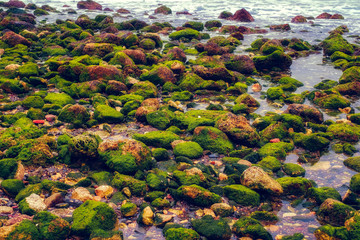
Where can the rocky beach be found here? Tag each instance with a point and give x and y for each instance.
(179, 120)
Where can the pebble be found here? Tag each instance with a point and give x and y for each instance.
(320, 166)
(289, 215)
(6, 210)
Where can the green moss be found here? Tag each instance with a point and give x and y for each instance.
(147, 44)
(105, 113)
(212, 139)
(157, 138)
(128, 209)
(188, 149)
(157, 181)
(181, 234)
(8, 168)
(75, 114)
(289, 80)
(355, 183)
(61, 99)
(137, 187)
(277, 150)
(212, 229)
(160, 203)
(181, 96)
(294, 185)
(29, 69)
(12, 186)
(51, 226)
(32, 188)
(271, 163)
(293, 170)
(55, 51)
(323, 193)
(332, 101)
(197, 195)
(122, 59)
(187, 179)
(345, 132)
(146, 89)
(334, 212)
(249, 227)
(24, 231)
(35, 113)
(160, 154)
(118, 198)
(269, 47)
(199, 26)
(124, 164)
(295, 236)
(340, 55)
(293, 121)
(274, 93)
(33, 102)
(102, 234)
(242, 195)
(92, 215)
(248, 100)
(335, 42)
(277, 59)
(186, 34)
(159, 74)
(264, 216)
(84, 147)
(160, 119)
(330, 232)
(350, 75)
(312, 142)
(353, 163)
(326, 84)
(275, 130)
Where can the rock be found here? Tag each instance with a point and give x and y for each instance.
(212, 229)
(54, 199)
(15, 4)
(123, 10)
(298, 19)
(249, 227)
(14, 39)
(32, 204)
(20, 172)
(297, 186)
(222, 209)
(104, 191)
(176, 54)
(12, 67)
(337, 16)
(353, 163)
(163, 10)
(197, 195)
(307, 112)
(39, 121)
(162, 219)
(278, 59)
(81, 194)
(50, 117)
(242, 195)
(255, 178)
(241, 63)
(212, 139)
(242, 16)
(281, 27)
(6, 210)
(128, 209)
(147, 216)
(90, 5)
(6, 230)
(324, 16)
(334, 212)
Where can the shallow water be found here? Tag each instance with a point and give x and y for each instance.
(329, 170)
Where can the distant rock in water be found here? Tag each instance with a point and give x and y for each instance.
(90, 5)
(242, 16)
(280, 27)
(299, 19)
(15, 3)
(326, 15)
(163, 10)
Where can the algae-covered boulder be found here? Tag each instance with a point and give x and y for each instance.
(159, 74)
(212, 229)
(249, 227)
(157, 138)
(335, 42)
(197, 195)
(323, 193)
(334, 212)
(29, 69)
(306, 112)
(25, 230)
(128, 209)
(160, 119)
(84, 147)
(311, 142)
(33, 102)
(332, 101)
(257, 179)
(105, 113)
(124, 164)
(330, 232)
(350, 75)
(294, 185)
(61, 99)
(277, 59)
(355, 183)
(51, 226)
(181, 234)
(188, 149)
(212, 139)
(12, 186)
(222, 209)
(271, 163)
(185, 34)
(293, 169)
(75, 114)
(9, 168)
(32, 204)
(92, 215)
(353, 163)
(248, 100)
(25, 192)
(277, 150)
(137, 187)
(345, 131)
(242, 195)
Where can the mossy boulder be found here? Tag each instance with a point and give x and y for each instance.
(28, 70)
(12, 186)
(330, 232)
(157, 138)
(61, 99)
(197, 195)
(278, 150)
(51, 226)
(128, 209)
(265, 217)
(293, 170)
(181, 234)
(159, 74)
(124, 164)
(105, 113)
(84, 147)
(33, 102)
(25, 192)
(345, 131)
(137, 187)
(311, 142)
(75, 114)
(157, 180)
(350, 75)
(277, 59)
(185, 34)
(199, 26)
(332, 101)
(92, 215)
(353, 163)
(212, 229)
(335, 42)
(323, 193)
(355, 183)
(8, 168)
(32, 205)
(297, 186)
(160, 119)
(160, 154)
(191, 150)
(271, 163)
(145, 89)
(274, 93)
(249, 227)
(248, 100)
(25, 230)
(212, 139)
(334, 212)
(242, 195)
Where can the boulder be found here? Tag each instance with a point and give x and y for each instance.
(334, 212)
(307, 112)
(14, 39)
(242, 16)
(81, 194)
(90, 5)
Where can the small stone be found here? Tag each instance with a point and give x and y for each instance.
(126, 191)
(81, 194)
(39, 121)
(36, 203)
(53, 199)
(50, 117)
(6, 210)
(57, 176)
(97, 198)
(104, 191)
(275, 140)
(210, 212)
(20, 172)
(62, 205)
(244, 162)
(223, 177)
(12, 67)
(148, 216)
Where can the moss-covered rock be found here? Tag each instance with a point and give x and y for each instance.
(242, 195)
(293, 170)
(145, 89)
(345, 132)
(137, 187)
(12, 186)
(84, 147)
(212, 139)
(157, 138)
(277, 59)
(8, 168)
(185, 34)
(25, 230)
(212, 229)
(355, 183)
(105, 113)
(323, 193)
(335, 42)
(159, 74)
(294, 185)
(181, 234)
(188, 149)
(75, 114)
(31, 188)
(128, 209)
(249, 227)
(92, 215)
(160, 119)
(160, 154)
(332, 101)
(334, 212)
(29, 69)
(277, 150)
(124, 164)
(33, 102)
(353, 163)
(350, 75)
(311, 142)
(61, 99)
(271, 163)
(330, 232)
(51, 226)
(197, 195)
